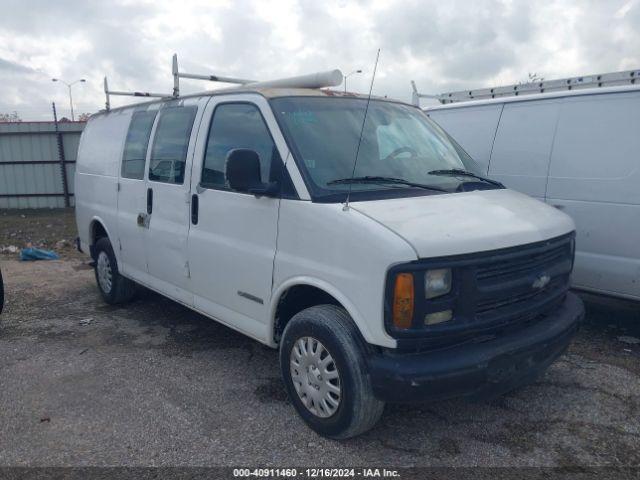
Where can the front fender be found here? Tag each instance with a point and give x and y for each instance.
(348, 305)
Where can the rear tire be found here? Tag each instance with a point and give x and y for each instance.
(114, 287)
(322, 361)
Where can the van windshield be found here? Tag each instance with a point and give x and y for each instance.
(398, 142)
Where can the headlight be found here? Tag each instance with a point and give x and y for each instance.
(437, 282)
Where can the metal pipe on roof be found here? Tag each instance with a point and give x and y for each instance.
(215, 78)
(330, 78)
(139, 94)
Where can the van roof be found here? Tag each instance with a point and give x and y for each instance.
(267, 92)
(536, 96)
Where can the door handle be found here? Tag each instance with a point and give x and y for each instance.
(149, 200)
(195, 204)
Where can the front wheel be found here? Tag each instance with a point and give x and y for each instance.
(114, 287)
(324, 371)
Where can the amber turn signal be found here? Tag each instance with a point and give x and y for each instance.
(403, 296)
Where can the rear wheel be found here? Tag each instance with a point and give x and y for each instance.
(114, 287)
(324, 371)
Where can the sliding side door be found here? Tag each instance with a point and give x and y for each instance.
(167, 199)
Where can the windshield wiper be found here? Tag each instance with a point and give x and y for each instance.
(385, 180)
(464, 173)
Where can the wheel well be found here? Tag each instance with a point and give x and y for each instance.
(97, 232)
(296, 299)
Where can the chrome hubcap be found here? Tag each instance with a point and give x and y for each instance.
(315, 377)
(104, 272)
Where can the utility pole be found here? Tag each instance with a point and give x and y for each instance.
(69, 85)
(61, 158)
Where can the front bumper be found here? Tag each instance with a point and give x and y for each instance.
(478, 370)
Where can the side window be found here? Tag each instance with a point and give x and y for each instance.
(238, 125)
(169, 152)
(135, 146)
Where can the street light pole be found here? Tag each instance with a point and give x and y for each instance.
(347, 76)
(71, 103)
(69, 85)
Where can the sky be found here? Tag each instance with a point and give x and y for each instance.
(443, 45)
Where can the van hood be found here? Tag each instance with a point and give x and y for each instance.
(469, 222)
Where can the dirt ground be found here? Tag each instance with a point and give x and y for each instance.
(43, 228)
(152, 383)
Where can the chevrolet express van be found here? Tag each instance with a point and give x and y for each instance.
(576, 150)
(402, 277)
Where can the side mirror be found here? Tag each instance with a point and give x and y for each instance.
(243, 173)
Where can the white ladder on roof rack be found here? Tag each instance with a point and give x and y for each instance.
(329, 78)
(627, 77)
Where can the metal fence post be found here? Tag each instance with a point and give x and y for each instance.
(61, 159)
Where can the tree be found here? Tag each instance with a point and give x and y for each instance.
(83, 117)
(12, 117)
(533, 78)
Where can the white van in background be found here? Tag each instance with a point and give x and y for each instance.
(577, 150)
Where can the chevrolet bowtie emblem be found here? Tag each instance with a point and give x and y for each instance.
(541, 282)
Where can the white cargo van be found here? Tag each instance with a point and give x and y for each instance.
(429, 283)
(577, 150)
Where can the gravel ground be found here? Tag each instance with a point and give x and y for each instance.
(152, 383)
(43, 228)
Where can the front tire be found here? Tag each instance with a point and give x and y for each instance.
(323, 368)
(114, 287)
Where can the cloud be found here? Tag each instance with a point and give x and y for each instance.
(442, 45)
(9, 67)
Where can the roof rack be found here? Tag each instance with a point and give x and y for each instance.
(177, 75)
(108, 93)
(627, 77)
(329, 78)
(416, 96)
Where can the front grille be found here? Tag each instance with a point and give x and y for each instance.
(484, 307)
(523, 264)
(512, 284)
(493, 292)
(489, 308)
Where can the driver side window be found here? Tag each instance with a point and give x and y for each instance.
(237, 125)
